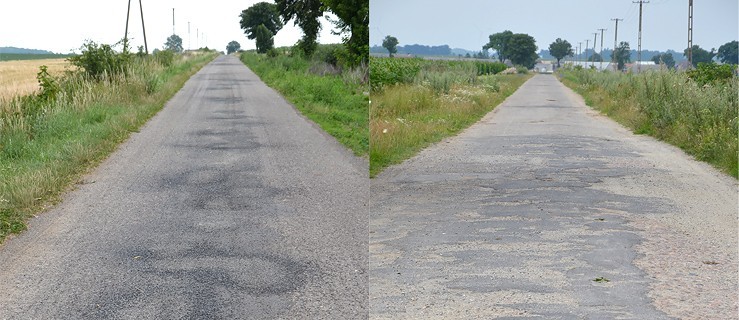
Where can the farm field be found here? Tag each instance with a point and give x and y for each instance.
(18, 77)
(416, 102)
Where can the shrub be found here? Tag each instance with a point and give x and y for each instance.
(99, 60)
(164, 57)
(709, 73)
(49, 86)
(522, 70)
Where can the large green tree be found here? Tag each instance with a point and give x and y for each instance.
(595, 57)
(306, 15)
(700, 55)
(729, 52)
(232, 47)
(262, 13)
(622, 54)
(560, 49)
(665, 58)
(353, 20)
(264, 38)
(499, 43)
(521, 50)
(391, 44)
(174, 43)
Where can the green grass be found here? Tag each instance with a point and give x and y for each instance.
(440, 99)
(45, 146)
(700, 119)
(26, 56)
(337, 102)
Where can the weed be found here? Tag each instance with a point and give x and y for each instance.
(601, 280)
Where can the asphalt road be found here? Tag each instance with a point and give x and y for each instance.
(518, 215)
(227, 205)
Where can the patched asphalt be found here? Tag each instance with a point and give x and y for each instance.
(520, 214)
(228, 204)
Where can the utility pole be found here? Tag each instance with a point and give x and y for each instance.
(595, 41)
(587, 41)
(615, 44)
(579, 52)
(173, 32)
(690, 34)
(601, 48)
(125, 36)
(143, 26)
(638, 53)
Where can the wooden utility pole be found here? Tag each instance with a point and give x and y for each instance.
(638, 52)
(615, 44)
(173, 32)
(143, 26)
(601, 48)
(690, 34)
(579, 52)
(125, 36)
(587, 41)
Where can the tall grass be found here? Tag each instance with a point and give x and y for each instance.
(46, 143)
(334, 98)
(421, 102)
(700, 119)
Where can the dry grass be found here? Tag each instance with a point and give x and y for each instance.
(18, 78)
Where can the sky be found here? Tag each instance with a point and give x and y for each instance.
(467, 24)
(62, 26)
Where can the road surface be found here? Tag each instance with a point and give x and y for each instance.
(227, 205)
(518, 215)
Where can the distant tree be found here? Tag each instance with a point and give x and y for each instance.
(499, 43)
(665, 58)
(521, 50)
(264, 39)
(622, 54)
(391, 44)
(595, 57)
(467, 55)
(353, 19)
(232, 47)
(560, 49)
(729, 52)
(305, 14)
(700, 55)
(174, 44)
(262, 13)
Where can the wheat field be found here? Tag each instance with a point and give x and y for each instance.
(19, 77)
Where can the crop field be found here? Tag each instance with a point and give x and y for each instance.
(18, 77)
(416, 102)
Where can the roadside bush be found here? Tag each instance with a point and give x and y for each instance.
(49, 86)
(164, 57)
(484, 68)
(328, 53)
(100, 60)
(708, 73)
(522, 70)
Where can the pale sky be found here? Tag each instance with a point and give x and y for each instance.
(468, 23)
(62, 26)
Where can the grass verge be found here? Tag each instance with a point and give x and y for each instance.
(45, 145)
(336, 100)
(700, 119)
(407, 117)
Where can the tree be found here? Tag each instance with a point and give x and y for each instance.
(264, 39)
(729, 52)
(560, 49)
(595, 57)
(391, 44)
(521, 50)
(499, 42)
(232, 47)
(174, 44)
(622, 54)
(305, 14)
(262, 13)
(353, 19)
(700, 55)
(665, 58)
